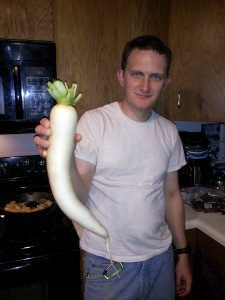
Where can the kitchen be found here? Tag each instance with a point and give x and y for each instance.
(89, 36)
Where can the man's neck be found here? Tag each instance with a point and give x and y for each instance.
(134, 114)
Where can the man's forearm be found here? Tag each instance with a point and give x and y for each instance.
(174, 206)
(176, 219)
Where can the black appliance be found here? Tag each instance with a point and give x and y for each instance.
(25, 68)
(198, 170)
(39, 251)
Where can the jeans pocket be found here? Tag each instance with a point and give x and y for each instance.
(94, 267)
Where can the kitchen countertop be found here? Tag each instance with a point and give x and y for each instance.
(212, 224)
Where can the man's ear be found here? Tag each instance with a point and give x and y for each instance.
(119, 74)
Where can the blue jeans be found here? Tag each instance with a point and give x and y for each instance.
(152, 279)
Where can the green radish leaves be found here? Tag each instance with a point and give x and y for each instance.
(62, 94)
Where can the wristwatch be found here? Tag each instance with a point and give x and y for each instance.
(185, 250)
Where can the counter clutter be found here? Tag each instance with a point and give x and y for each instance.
(212, 224)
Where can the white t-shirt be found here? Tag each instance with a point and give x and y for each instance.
(126, 194)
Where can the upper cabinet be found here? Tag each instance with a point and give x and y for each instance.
(197, 38)
(26, 19)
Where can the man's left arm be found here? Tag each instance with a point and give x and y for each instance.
(176, 221)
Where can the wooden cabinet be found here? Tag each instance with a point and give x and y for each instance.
(208, 267)
(196, 36)
(26, 19)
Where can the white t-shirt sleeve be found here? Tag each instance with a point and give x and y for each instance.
(177, 158)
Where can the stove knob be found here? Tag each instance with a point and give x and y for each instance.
(4, 169)
(28, 165)
(42, 165)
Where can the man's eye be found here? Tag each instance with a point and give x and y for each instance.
(156, 77)
(136, 75)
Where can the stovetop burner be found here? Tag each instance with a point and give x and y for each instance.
(31, 237)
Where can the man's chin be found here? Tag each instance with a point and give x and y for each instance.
(146, 105)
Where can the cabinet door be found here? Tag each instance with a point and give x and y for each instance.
(208, 266)
(26, 19)
(209, 280)
(197, 35)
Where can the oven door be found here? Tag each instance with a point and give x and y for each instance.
(24, 99)
(42, 278)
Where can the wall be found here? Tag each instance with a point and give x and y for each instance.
(17, 145)
(188, 126)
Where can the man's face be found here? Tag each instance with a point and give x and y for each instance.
(144, 78)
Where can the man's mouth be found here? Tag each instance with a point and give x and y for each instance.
(143, 95)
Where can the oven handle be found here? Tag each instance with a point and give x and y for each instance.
(17, 266)
(18, 94)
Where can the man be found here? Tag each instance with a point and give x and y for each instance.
(127, 159)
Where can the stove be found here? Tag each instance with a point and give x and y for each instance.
(39, 251)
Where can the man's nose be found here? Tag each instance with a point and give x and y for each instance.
(146, 84)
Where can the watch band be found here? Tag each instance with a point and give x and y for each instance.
(185, 250)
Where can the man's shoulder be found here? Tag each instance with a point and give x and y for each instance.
(98, 117)
(106, 109)
(164, 121)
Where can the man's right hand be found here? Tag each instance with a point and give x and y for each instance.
(43, 132)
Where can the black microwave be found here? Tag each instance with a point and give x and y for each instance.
(25, 69)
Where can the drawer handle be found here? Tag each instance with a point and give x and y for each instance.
(179, 99)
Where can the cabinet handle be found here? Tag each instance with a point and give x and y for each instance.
(17, 89)
(179, 99)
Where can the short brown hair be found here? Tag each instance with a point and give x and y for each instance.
(146, 42)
